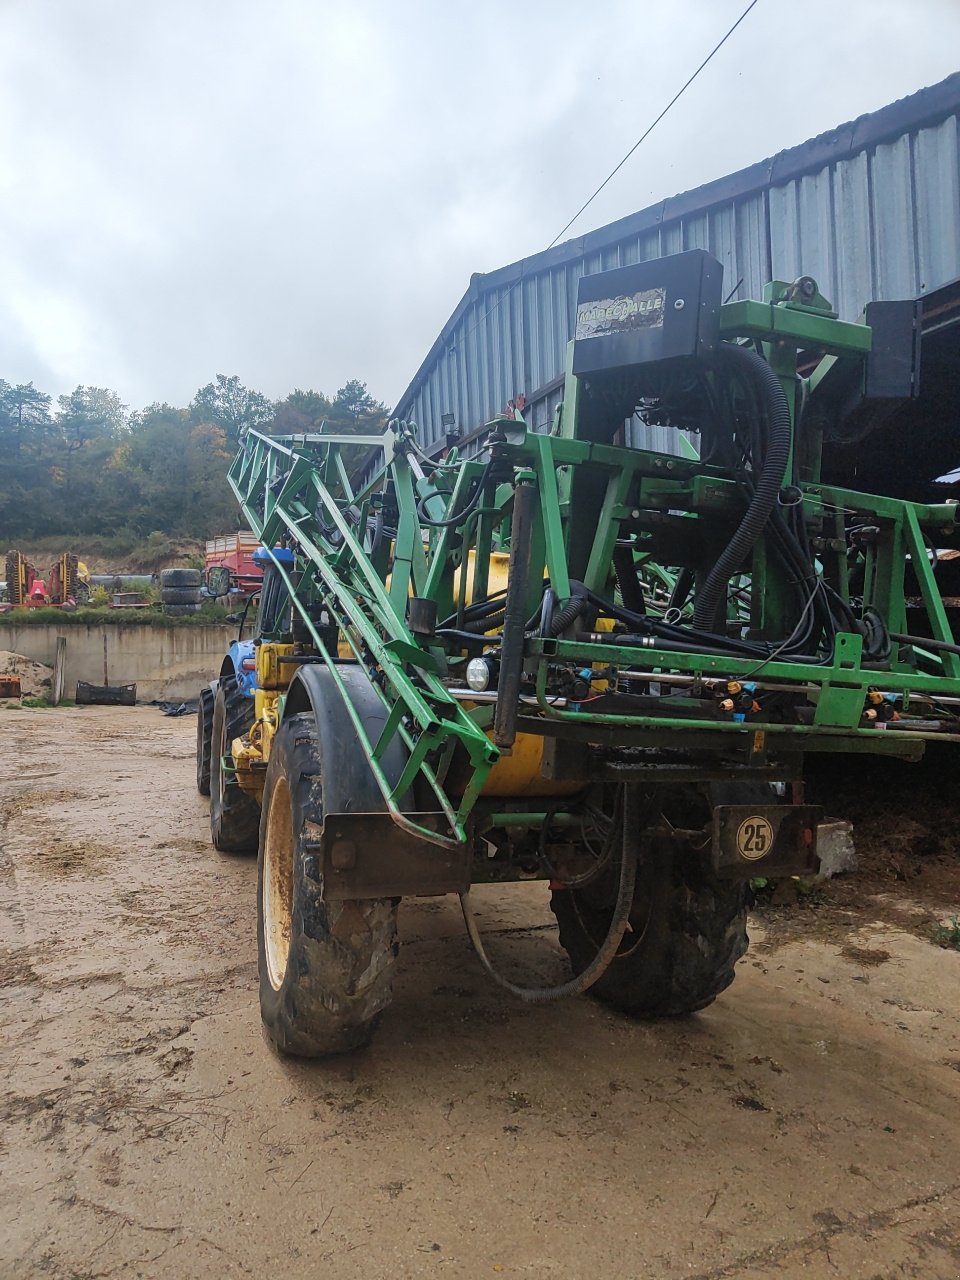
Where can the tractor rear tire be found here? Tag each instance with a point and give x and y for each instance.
(180, 578)
(234, 815)
(688, 928)
(204, 735)
(325, 967)
(181, 610)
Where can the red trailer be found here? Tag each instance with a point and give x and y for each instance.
(235, 550)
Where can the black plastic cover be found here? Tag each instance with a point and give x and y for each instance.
(664, 309)
(892, 370)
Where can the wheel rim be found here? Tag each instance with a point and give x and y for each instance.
(277, 890)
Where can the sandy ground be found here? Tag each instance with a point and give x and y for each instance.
(806, 1124)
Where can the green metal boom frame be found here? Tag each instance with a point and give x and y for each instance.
(303, 492)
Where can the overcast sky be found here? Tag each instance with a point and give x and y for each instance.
(298, 191)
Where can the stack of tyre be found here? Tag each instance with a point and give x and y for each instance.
(180, 591)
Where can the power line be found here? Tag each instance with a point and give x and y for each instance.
(646, 134)
(643, 137)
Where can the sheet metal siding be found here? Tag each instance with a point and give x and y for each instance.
(884, 223)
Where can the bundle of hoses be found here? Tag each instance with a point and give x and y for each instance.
(765, 443)
(821, 612)
(712, 596)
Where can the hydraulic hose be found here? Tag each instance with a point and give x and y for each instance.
(480, 626)
(618, 924)
(466, 510)
(740, 360)
(566, 616)
(514, 621)
(681, 589)
(925, 642)
(631, 593)
(547, 605)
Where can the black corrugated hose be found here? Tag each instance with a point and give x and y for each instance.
(711, 597)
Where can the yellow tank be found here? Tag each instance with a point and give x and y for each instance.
(497, 580)
(518, 774)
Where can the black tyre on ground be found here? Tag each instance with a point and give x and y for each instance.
(234, 815)
(325, 967)
(180, 578)
(688, 928)
(180, 595)
(204, 735)
(180, 610)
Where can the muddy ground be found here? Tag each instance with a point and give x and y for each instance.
(806, 1124)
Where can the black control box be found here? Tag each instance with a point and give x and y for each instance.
(664, 309)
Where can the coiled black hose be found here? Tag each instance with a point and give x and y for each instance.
(711, 596)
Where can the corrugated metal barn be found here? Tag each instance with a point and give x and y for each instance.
(871, 210)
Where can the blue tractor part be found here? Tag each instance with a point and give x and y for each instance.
(240, 658)
(241, 661)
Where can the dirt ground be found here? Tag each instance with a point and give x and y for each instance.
(806, 1124)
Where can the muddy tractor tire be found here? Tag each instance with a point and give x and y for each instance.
(688, 927)
(205, 735)
(325, 967)
(234, 815)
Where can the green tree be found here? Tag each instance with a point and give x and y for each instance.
(229, 404)
(93, 469)
(355, 409)
(90, 413)
(24, 414)
(301, 411)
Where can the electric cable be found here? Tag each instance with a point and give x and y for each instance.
(650, 128)
(615, 170)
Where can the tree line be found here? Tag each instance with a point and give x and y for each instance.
(90, 466)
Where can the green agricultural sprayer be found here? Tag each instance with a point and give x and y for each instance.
(572, 660)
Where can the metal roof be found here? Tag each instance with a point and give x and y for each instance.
(870, 209)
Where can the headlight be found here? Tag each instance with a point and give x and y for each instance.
(478, 674)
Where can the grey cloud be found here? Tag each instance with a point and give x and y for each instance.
(298, 193)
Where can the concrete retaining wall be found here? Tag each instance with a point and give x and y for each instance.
(163, 662)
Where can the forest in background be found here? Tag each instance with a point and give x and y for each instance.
(88, 466)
